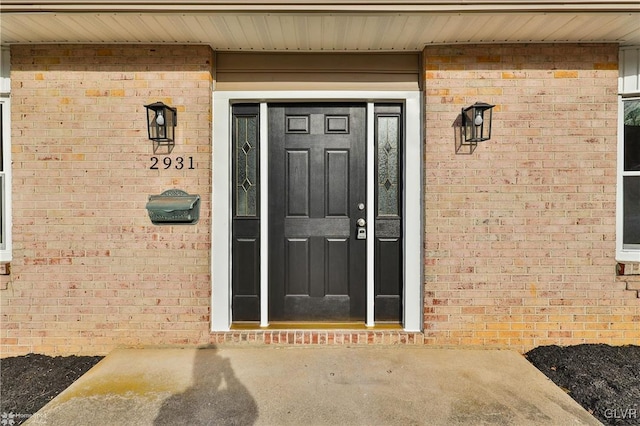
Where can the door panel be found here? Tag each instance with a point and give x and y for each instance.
(297, 266)
(337, 178)
(297, 191)
(317, 179)
(337, 273)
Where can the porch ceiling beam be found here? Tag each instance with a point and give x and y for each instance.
(327, 6)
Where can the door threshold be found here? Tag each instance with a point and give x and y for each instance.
(312, 325)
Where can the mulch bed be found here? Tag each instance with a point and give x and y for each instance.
(604, 379)
(28, 382)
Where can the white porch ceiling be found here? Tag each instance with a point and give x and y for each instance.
(320, 25)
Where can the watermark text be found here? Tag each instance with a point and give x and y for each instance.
(621, 413)
(11, 419)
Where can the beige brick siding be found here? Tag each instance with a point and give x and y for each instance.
(90, 272)
(520, 235)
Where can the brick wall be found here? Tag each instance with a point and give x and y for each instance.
(520, 234)
(90, 272)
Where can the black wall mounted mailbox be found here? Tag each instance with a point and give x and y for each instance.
(174, 207)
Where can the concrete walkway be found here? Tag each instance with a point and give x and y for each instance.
(313, 386)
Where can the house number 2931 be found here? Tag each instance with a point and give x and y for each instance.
(167, 162)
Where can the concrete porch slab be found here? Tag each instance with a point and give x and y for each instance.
(313, 386)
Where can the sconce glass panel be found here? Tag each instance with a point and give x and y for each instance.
(476, 122)
(387, 146)
(161, 121)
(246, 165)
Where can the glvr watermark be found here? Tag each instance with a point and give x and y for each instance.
(621, 413)
(11, 419)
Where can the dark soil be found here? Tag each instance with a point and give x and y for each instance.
(28, 382)
(605, 380)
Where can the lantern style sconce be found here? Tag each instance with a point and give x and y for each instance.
(161, 122)
(476, 123)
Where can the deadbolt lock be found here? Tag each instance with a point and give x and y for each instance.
(361, 234)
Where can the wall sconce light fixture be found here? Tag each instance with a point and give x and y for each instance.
(476, 123)
(161, 123)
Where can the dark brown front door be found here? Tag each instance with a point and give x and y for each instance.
(317, 187)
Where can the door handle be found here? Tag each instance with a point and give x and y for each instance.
(361, 222)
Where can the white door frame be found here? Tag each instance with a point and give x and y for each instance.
(222, 196)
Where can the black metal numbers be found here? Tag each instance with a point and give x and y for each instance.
(167, 162)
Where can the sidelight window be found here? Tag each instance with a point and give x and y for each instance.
(388, 226)
(246, 212)
(246, 164)
(388, 144)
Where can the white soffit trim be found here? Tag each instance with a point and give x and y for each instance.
(319, 24)
(330, 30)
(453, 6)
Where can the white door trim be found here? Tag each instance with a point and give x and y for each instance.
(371, 205)
(264, 214)
(222, 195)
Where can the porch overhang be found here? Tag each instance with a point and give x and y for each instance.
(320, 25)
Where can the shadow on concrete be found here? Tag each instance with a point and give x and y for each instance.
(216, 396)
